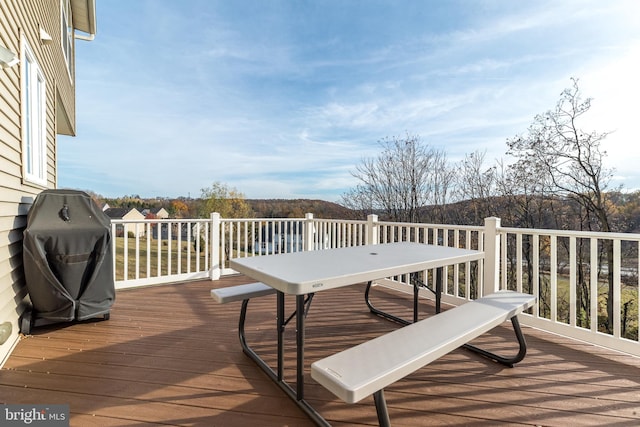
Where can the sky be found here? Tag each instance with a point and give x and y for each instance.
(284, 98)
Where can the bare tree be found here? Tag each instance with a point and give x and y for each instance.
(574, 163)
(476, 182)
(571, 157)
(359, 200)
(402, 180)
(443, 184)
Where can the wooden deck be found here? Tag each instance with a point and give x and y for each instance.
(170, 355)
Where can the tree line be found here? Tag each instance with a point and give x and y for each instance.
(554, 176)
(217, 199)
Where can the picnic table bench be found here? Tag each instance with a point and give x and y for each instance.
(368, 368)
(241, 292)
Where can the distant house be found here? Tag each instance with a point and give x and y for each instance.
(37, 103)
(160, 213)
(128, 214)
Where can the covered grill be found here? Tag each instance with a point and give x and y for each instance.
(68, 261)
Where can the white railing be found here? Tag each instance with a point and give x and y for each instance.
(268, 236)
(569, 272)
(565, 269)
(256, 237)
(155, 251)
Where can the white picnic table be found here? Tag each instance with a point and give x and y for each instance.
(302, 274)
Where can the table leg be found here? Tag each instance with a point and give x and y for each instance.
(439, 280)
(300, 315)
(277, 376)
(416, 296)
(280, 325)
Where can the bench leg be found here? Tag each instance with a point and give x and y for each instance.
(243, 317)
(381, 409)
(278, 375)
(508, 361)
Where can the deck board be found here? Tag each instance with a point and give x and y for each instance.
(169, 355)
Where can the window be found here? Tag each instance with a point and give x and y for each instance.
(34, 152)
(66, 32)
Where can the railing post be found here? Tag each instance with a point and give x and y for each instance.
(371, 237)
(309, 231)
(491, 282)
(114, 252)
(215, 246)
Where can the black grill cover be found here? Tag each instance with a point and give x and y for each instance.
(67, 257)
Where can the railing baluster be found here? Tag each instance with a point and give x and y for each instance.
(245, 246)
(456, 268)
(238, 239)
(553, 261)
(137, 249)
(126, 254)
(169, 248)
(159, 249)
(503, 261)
(188, 247)
(617, 291)
(536, 273)
(594, 284)
(573, 283)
(179, 247)
(197, 250)
(519, 262)
(147, 233)
(467, 271)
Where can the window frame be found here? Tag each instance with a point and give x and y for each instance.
(34, 119)
(66, 33)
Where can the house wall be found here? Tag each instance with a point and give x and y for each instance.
(18, 17)
(162, 214)
(134, 215)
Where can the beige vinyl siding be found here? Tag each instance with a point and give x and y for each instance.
(11, 221)
(17, 18)
(51, 59)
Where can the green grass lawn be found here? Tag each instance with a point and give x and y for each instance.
(628, 296)
(156, 254)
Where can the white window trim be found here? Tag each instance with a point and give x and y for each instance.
(66, 33)
(34, 121)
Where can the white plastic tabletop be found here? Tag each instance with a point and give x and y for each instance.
(301, 273)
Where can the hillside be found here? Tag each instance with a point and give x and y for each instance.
(297, 208)
(624, 211)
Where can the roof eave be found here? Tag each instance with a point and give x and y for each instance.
(84, 16)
